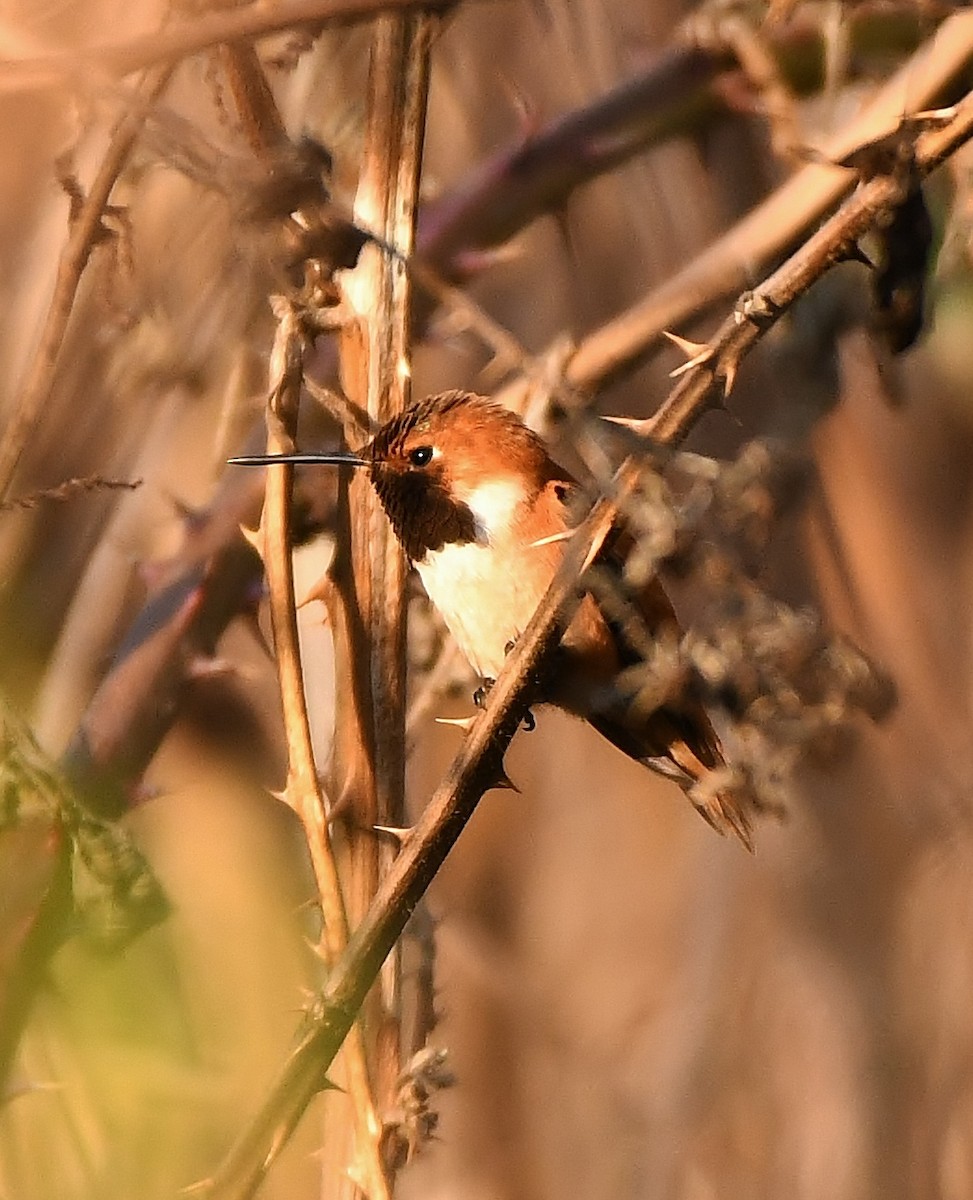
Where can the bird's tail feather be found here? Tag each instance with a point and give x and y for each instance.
(717, 806)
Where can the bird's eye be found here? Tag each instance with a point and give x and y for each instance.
(421, 456)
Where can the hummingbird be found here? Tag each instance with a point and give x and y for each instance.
(482, 511)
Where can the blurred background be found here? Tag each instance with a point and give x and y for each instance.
(632, 1007)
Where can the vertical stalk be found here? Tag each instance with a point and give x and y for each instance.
(376, 374)
(353, 1126)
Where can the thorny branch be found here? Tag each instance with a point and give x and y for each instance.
(675, 94)
(303, 791)
(757, 239)
(376, 352)
(717, 362)
(479, 764)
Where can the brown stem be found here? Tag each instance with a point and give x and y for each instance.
(176, 41)
(303, 791)
(370, 583)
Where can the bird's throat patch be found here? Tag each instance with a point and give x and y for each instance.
(423, 514)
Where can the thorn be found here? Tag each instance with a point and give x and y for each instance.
(329, 1085)
(692, 350)
(634, 424)
(464, 723)
(700, 353)
(730, 375)
(255, 537)
(709, 818)
(319, 590)
(564, 536)
(319, 952)
(854, 253)
(504, 783)
(742, 830)
(281, 796)
(398, 833)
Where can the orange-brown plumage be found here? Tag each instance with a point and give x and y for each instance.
(479, 505)
(470, 519)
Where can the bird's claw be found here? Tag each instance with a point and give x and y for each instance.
(480, 699)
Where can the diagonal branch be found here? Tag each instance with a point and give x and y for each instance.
(675, 94)
(728, 265)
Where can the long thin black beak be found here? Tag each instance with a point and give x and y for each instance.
(311, 459)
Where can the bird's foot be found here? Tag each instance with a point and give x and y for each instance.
(480, 699)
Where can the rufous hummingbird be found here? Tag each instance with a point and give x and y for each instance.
(482, 511)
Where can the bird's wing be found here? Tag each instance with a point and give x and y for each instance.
(677, 739)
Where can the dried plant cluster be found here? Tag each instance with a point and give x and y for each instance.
(785, 687)
(232, 228)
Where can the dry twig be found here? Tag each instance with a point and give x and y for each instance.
(177, 41)
(68, 490)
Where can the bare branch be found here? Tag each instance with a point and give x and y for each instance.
(174, 42)
(675, 94)
(728, 265)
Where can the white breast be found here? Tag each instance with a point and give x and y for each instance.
(486, 590)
